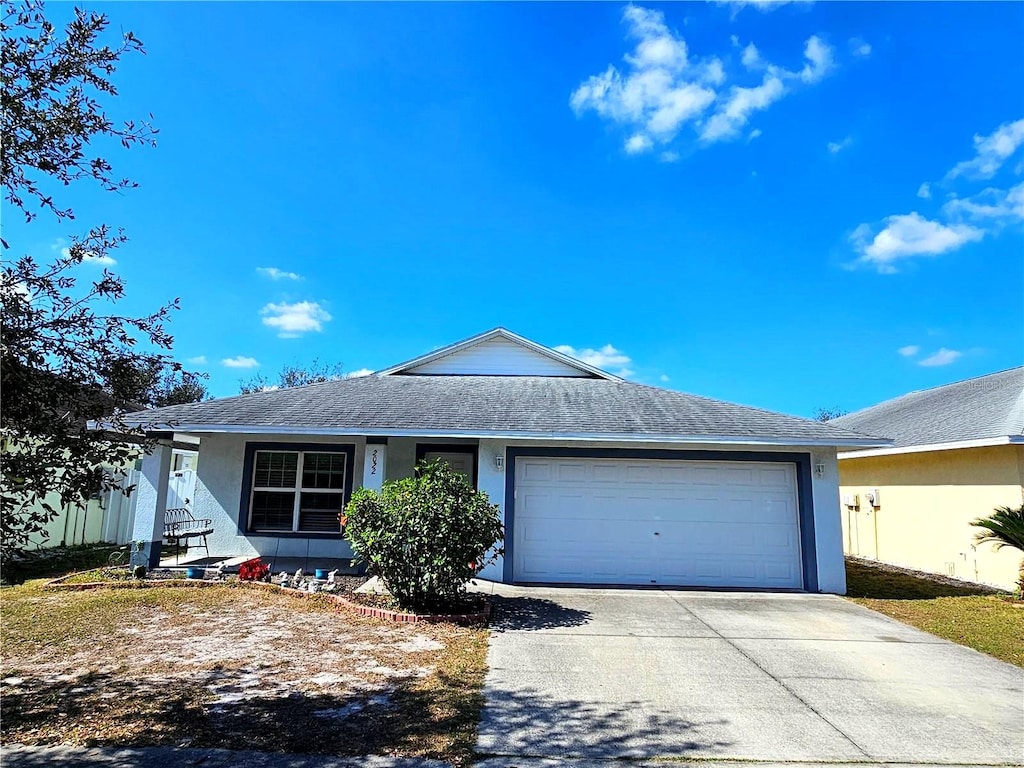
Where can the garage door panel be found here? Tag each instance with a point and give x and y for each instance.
(572, 473)
(736, 477)
(624, 521)
(779, 478)
(606, 473)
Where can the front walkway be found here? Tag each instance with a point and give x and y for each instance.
(604, 674)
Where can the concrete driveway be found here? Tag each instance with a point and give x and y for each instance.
(599, 674)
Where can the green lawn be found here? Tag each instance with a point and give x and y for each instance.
(966, 614)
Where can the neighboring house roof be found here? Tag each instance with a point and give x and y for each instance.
(987, 410)
(563, 407)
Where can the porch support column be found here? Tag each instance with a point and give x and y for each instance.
(150, 506)
(374, 463)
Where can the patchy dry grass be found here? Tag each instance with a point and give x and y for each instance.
(964, 613)
(234, 668)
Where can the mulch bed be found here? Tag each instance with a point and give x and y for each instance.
(476, 610)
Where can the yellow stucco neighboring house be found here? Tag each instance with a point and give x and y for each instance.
(958, 454)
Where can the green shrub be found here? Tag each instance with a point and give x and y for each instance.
(425, 537)
(1004, 528)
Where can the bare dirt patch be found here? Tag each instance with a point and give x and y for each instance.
(234, 668)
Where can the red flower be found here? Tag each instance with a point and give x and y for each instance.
(253, 570)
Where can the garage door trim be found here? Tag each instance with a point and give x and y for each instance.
(805, 498)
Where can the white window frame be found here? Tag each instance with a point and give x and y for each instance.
(297, 489)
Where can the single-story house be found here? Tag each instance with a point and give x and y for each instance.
(599, 480)
(957, 454)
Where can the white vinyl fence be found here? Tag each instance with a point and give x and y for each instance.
(119, 509)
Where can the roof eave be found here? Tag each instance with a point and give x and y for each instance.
(985, 442)
(513, 434)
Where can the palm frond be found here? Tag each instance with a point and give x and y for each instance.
(1004, 528)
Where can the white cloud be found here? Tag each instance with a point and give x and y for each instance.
(859, 46)
(240, 362)
(994, 205)
(638, 143)
(751, 57)
(89, 258)
(819, 60)
(358, 374)
(661, 87)
(293, 320)
(669, 157)
(658, 91)
(198, 360)
(925, 191)
(664, 379)
(277, 274)
(606, 358)
(713, 72)
(764, 6)
(910, 235)
(909, 351)
(835, 147)
(741, 104)
(103, 261)
(754, 134)
(991, 152)
(942, 357)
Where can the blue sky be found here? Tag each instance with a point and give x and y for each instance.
(799, 206)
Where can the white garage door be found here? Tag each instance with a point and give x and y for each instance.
(686, 523)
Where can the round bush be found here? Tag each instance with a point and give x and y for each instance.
(425, 537)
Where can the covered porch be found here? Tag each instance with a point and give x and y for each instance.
(229, 485)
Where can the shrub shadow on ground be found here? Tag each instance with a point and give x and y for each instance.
(99, 709)
(107, 710)
(532, 613)
(528, 723)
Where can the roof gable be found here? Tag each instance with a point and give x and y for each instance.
(497, 352)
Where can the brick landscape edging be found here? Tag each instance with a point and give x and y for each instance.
(478, 618)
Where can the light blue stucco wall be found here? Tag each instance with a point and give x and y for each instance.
(219, 490)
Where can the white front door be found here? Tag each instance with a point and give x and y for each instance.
(460, 462)
(684, 523)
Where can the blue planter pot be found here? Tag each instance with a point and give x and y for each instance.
(321, 573)
(195, 572)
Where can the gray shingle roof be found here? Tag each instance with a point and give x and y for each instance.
(507, 405)
(986, 407)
